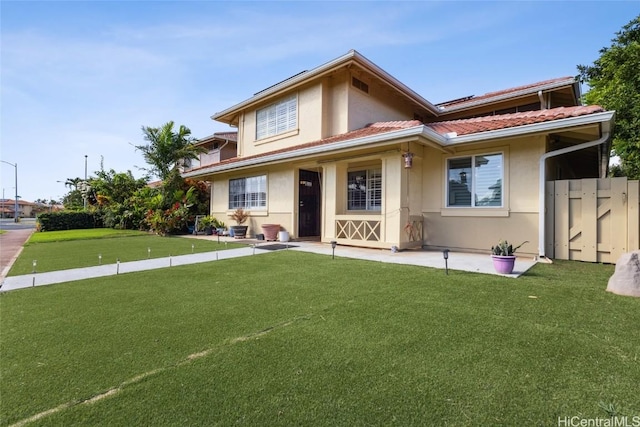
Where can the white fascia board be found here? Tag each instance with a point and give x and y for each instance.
(604, 117)
(289, 82)
(397, 83)
(318, 71)
(319, 149)
(571, 81)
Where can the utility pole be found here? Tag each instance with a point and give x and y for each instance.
(16, 213)
(85, 183)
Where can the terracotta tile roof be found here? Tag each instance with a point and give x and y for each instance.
(460, 127)
(369, 130)
(487, 123)
(533, 87)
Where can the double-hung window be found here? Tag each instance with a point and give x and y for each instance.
(475, 181)
(277, 118)
(248, 193)
(364, 190)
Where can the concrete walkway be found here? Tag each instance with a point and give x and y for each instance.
(457, 261)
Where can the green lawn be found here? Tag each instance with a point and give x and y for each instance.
(291, 338)
(61, 250)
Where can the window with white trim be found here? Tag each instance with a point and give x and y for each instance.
(277, 118)
(248, 193)
(364, 190)
(475, 181)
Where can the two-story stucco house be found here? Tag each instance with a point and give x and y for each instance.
(347, 152)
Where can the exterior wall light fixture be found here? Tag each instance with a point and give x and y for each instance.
(408, 160)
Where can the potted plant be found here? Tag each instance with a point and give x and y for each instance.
(206, 224)
(220, 227)
(240, 216)
(503, 256)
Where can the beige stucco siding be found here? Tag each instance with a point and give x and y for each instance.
(479, 234)
(309, 128)
(477, 229)
(335, 115)
(281, 198)
(327, 107)
(375, 106)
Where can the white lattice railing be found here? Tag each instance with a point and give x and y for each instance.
(359, 228)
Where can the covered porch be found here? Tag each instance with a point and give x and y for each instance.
(374, 200)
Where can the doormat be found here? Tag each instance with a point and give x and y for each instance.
(275, 247)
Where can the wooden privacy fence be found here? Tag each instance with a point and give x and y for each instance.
(594, 220)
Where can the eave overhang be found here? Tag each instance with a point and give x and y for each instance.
(352, 57)
(570, 82)
(422, 134)
(605, 118)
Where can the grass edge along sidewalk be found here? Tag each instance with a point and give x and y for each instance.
(294, 338)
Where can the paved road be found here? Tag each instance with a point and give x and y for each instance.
(11, 244)
(24, 224)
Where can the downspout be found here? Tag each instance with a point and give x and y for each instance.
(543, 104)
(542, 189)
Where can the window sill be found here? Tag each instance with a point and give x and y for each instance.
(362, 212)
(251, 213)
(276, 137)
(477, 212)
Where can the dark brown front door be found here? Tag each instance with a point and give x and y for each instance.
(308, 203)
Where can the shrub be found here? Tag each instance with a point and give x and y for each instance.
(55, 221)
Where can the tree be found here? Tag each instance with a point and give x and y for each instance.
(168, 150)
(614, 82)
(73, 199)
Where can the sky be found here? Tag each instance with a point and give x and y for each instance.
(81, 78)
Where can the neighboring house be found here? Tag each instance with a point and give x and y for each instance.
(347, 152)
(25, 209)
(220, 146)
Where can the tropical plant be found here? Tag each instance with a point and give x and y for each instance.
(504, 248)
(206, 221)
(169, 221)
(167, 149)
(240, 216)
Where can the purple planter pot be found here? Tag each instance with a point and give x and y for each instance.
(504, 264)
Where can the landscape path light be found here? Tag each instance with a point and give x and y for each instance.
(445, 255)
(333, 249)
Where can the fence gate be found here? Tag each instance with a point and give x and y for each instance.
(594, 220)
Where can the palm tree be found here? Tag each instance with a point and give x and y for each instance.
(73, 183)
(168, 150)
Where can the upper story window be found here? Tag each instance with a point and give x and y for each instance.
(364, 190)
(475, 181)
(277, 118)
(248, 193)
